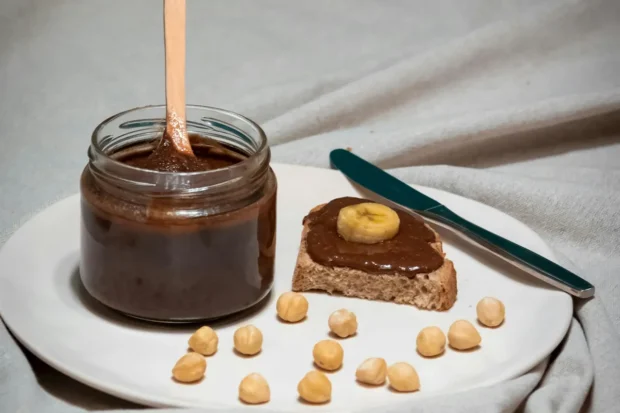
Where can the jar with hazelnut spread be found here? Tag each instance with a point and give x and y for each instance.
(172, 242)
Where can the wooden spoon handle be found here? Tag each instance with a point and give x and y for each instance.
(174, 39)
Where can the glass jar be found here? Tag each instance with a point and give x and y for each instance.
(173, 246)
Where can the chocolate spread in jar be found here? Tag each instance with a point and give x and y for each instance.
(408, 253)
(165, 158)
(150, 261)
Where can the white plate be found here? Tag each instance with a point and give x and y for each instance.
(43, 303)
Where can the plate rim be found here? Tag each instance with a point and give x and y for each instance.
(156, 401)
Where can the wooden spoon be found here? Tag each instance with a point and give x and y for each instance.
(174, 39)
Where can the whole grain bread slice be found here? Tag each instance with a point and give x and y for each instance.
(433, 291)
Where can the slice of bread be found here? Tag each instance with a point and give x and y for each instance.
(433, 291)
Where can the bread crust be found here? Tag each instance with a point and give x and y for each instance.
(432, 291)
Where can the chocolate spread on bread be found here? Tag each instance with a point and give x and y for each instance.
(408, 253)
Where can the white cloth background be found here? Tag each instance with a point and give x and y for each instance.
(515, 103)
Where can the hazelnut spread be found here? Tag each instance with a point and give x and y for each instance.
(165, 158)
(408, 253)
(165, 258)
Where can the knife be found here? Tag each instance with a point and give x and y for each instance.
(381, 183)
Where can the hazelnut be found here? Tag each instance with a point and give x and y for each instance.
(292, 307)
(372, 371)
(431, 341)
(248, 340)
(254, 389)
(403, 377)
(342, 323)
(190, 368)
(490, 311)
(462, 335)
(328, 354)
(204, 341)
(315, 387)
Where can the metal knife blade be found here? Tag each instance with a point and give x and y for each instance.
(376, 180)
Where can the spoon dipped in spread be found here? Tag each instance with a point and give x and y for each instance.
(174, 151)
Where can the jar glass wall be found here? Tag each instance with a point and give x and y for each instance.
(172, 246)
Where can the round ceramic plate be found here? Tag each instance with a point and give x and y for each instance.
(44, 304)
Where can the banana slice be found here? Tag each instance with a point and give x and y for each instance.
(367, 223)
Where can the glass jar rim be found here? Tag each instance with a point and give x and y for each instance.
(237, 166)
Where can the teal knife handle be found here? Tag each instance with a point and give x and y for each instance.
(527, 260)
